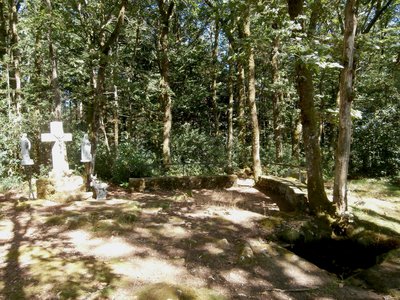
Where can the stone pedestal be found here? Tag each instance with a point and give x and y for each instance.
(62, 188)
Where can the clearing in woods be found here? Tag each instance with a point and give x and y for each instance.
(203, 244)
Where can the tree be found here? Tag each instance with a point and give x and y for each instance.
(277, 97)
(346, 96)
(105, 43)
(54, 66)
(166, 9)
(315, 185)
(252, 98)
(15, 57)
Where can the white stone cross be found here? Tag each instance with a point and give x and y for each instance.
(59, 151)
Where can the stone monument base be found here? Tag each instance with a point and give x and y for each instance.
(62, 188)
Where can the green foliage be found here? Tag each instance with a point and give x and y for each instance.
(197, 152)
(9, 148)
(376, 146)
(132, 86)
(9, 183)
(130, 161)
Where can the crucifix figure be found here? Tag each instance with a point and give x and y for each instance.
(59, 151)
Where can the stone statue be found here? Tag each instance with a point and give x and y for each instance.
(25, 147)
(86, 149)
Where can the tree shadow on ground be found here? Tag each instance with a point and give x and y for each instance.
(378, 228)
(211, 245)
(40, 264)
(14, 276)
(168, 238)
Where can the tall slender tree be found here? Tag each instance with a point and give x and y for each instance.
(105, 44)
(15, 55)
(346, 96)
(277, 97)
(166, 9)
(54, 65)
(252, 97)
(346, 93)
(315, 185)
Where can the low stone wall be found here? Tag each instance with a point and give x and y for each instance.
(182, 182)
(292, 192)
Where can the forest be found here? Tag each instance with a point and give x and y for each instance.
(178, 131)
(205, 87)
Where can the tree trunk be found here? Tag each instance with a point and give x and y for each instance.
(277, 99)
(346, 98)
(241, 80)
(229, 144)
(54, 68)
(252, 102)
(315, 185)
(116, 118)
(15, 76)
(3, 30)
(99, 85)
(214, 77)
(166, 11)
(296, 134)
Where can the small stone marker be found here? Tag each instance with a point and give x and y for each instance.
(100, 188)
(59, 151)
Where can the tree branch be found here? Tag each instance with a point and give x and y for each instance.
(376, 17)
(120, 21)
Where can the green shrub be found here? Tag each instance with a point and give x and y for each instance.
(130, 161)
(9, 183)
(195, 152)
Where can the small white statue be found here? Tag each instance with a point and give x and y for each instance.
(86, 149)
(25, 148)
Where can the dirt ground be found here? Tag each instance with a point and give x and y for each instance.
(202, 244)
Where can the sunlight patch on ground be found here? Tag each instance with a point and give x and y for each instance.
(61, 274)
(149, 270)
(143, 232)
(102, 247)
(6, 228)
(385, 214)
(212, 249)
(237, 216)
(377, 205)
(45, 203)
(3, 255)
(236, 276)
(299, 271)
(176, 232)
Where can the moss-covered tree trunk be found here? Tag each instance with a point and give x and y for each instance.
(315, 185)
(346, 96)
